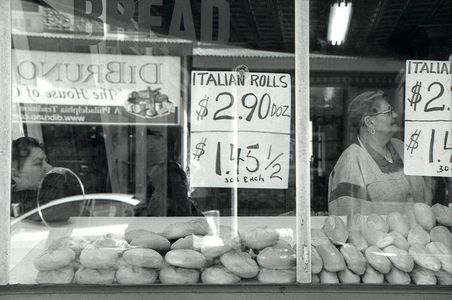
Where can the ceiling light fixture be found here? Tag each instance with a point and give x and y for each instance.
(340, 15)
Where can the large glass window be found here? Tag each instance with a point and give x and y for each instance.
(153, 142)
(380, 170)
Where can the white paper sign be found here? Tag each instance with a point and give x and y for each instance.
(428, 118)
(240, 130)
(60, 87)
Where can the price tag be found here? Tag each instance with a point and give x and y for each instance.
(240, 129)
(428, 118)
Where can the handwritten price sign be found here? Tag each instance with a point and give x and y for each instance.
(240, 129)
(428, 118)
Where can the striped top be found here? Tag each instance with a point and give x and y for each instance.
(364, 182)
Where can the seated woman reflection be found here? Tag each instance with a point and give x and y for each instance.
(30, 173)
(368, 177)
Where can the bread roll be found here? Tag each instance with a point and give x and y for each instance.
(396, 276)
(347, 276)
(141, 257)
(172, 275)
(260, 237)
(240, 263)
(214, 246)
(354, 259)
(443, 214)
(441, 234)
(99, 258)
(443, 277)
(276, 276)
(218, 275)
(135, 275)
(151, 240)
(333, 261)
(316, 261)
(421, 276)
(94, 276)
(53, 259)
(401, 259)
(186, 258)
(182, 229)
(424, 258)
(130, 234)
(397, 223)
(328, 277)
(372, 276)
(186, 243)
(378, 259)
(318, 237)
(335, 230)
(277, 258)
(58, 276)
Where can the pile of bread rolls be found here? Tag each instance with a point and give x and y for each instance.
(183, 253)
(415, 247)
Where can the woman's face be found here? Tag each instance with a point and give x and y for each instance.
(33, 170)
(385, 119)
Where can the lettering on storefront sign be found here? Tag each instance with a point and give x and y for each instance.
(114, 72)
(428, 118)
(120, 14)
(240, 129)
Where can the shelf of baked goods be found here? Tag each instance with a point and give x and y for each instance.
(411, 248)
(141, 250)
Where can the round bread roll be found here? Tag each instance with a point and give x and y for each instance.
(277, 258)
(75, 243)
(152, 241)
(182, 229)
(218, 275)
(171, 275)
(135, 275)
(58, 276)
(99, 258)
(276, 276)
(186, 243)
(53, 259)
(186, 258)
(260, 237)
(141, 257)
(240, 263)
(130, 234)
(93, 276)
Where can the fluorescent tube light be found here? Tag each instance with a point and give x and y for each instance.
(340, 15)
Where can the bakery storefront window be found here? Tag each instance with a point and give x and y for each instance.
(380, 103)
(153, 142)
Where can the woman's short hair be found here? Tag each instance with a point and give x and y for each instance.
(21, 150)
(363, 105)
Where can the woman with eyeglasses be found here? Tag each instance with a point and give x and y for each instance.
(368, 177)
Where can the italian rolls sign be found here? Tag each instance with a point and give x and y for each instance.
(240, 129)
(81, 88)
(428, 118)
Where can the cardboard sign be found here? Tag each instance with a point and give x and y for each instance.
(240, 129)
(80, 88)
(428, 118)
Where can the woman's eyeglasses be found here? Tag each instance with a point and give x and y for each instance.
(386, 112)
